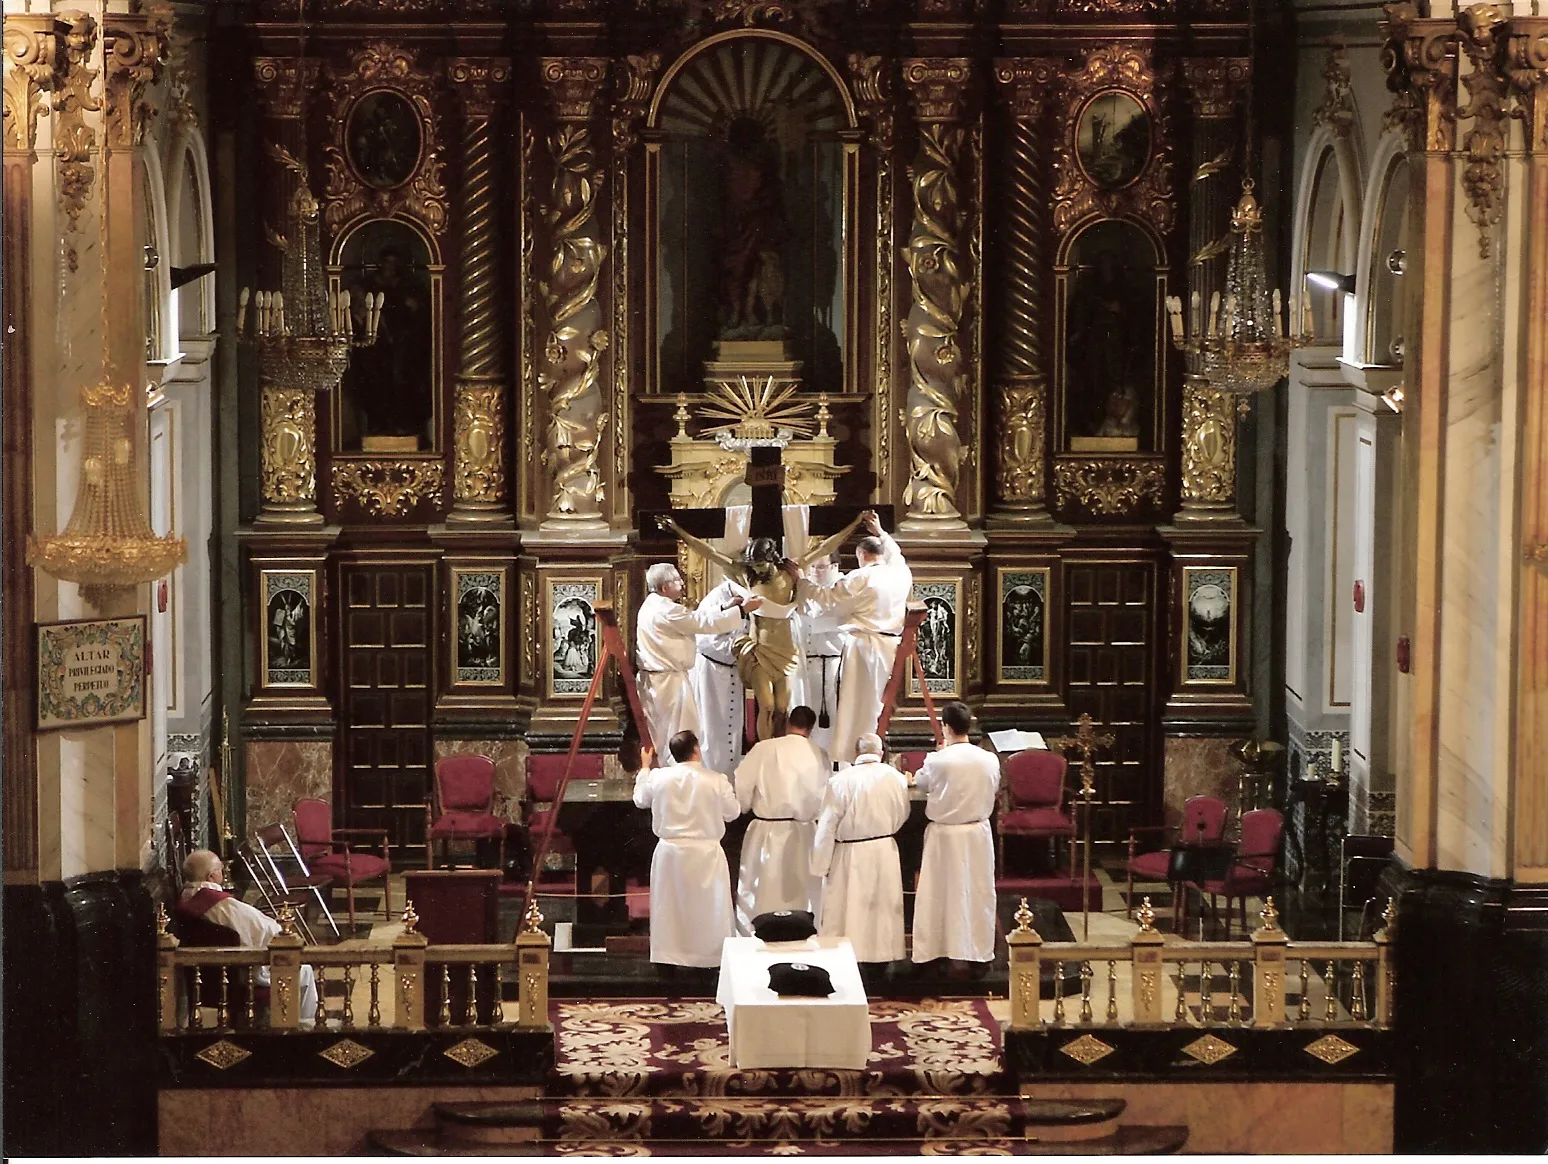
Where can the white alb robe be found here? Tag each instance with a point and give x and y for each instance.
(781, 782)
(954, 908)
(717, 685)
(253, 929)
(665, 636)
(690, 878)
(856, 855)
(869, 605)
(822, 649)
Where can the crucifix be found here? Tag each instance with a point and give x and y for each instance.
(1085, 741)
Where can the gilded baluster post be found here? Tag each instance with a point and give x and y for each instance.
(1026, 988)
(1209, 416)
(408, 965)
(1021, 380)
(166, 974)
(1145, 985)
(573, 338)
(1385, 983)
(480, 425)
(1268, 982)
(532, 946)
(285, 973)
(941, 286)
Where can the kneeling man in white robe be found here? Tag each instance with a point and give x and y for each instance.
(856, 855)
(690, 878)
(781, 782)
(954, 908)
(666, 640)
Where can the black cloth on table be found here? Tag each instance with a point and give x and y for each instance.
(784, 925)
(799, 979)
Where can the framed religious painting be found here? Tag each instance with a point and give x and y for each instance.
(288, 640)
(90, 672)
(478, 641)
(1023, 602)
(1112, 138)
(1209, 625)
(572, 636)
(384, 139)
(940, 640)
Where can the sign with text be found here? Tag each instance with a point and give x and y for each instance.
(90, 672)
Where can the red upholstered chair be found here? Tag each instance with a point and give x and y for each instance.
(465, 791)
(1203, 823)
(540, 807)
(1032, 796)
(328, 854)
(1254, 870)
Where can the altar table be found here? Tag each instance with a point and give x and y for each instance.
(767, 1031)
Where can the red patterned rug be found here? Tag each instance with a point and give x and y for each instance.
(632, 1047)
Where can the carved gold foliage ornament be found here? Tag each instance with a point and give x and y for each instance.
(34, 59)
(1209, 1050)
(133, 47)
(1086, 1050)
(1022, 424)
(470, 1053)
(74, 139)
(346, 1053)
(285, 84)
(1214, 83)
(751, 13)
(1529, 77)
(1331, 1049)
(479, 433)
(1108, 486)
(1337, 110)
(389, 488)
(1419, 56)
(381, 65)
(1484, 39)
(223, 1055)
(288, 425)
(1209, 444)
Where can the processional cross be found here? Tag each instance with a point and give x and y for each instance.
(1086, 741)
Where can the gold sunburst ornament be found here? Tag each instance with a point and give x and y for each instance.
(757, 412)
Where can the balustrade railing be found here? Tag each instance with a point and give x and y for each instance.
(1266, 981)
(213, 988)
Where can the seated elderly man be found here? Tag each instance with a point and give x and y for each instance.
(204, 897)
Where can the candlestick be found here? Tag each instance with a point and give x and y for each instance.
(1338, 755)
(1279, 326)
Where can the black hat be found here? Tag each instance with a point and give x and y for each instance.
(800, 979)
(784, 925)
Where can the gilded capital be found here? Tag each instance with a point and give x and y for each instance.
(483, 82)
(34, 60)
(1025, 83)
(574, 83)
(1420, 58)
(1214, 83)
(134, 45)
(937, 86)
(1529, 76)
(636, 79)
(284, 84)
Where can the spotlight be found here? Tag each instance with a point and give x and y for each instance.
(1393, 398)
(1331, 280)
(1397, 261)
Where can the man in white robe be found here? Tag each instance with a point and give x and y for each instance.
(868, 604)
(665, 638)
(822, 648)
(781, 782)
(717, 684)
(955, 906)
(690, 878)
(856, 855)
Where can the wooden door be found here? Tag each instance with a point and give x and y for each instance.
(388, 691)
(1111, 673)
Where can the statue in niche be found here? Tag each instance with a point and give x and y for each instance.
(752, 288)
(1109, 360)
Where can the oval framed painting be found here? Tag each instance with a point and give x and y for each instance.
(385, 138)
(1112, 138)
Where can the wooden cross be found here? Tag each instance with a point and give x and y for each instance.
(1086, 742)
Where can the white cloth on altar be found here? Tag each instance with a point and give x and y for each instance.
(665, 639)
(954, 908)
(717, 685)
(690, 878)
(785, 777)
(856, 855)
(253, 929)
(869, 604)
(767, 1031)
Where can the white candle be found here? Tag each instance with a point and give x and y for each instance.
(1196, 312)
(1279, 325)
(1338, 755)
(1214, 313)
(242, 301)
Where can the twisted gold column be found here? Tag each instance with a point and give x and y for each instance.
(940, 288)
(479, 423)
(575, 339)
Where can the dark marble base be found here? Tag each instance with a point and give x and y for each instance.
(1470, 1014)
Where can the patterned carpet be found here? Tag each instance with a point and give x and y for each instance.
(670, 1048)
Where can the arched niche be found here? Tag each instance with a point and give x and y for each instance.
(1327, 229)
(751, 177)
(191, 226)
(1110, 282)
(156, 282)
(1384, 255)
(390, 396)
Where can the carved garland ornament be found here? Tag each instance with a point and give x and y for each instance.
(74, 139)
(1483, 176)
(1109, 487)
(1149, 196)
(389, 488)
(380, 65)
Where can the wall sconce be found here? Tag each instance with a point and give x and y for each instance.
(1397, 261)
(1332, 281)
(1393, 398)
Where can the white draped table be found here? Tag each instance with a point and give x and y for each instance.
(769, 1031)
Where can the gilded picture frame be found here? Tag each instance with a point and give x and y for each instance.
(1210, 621)
(572, 636)
(1022, 599)
(480, 635)
(940, 636)
(287, 633)
(90, 672)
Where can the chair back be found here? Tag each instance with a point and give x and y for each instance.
(1035, 778)
(465, 783)
(314, 826)
(1203, 820)
(190, 929)
(545, 771)
(910, 761)
(1261, 832)
(456, 906)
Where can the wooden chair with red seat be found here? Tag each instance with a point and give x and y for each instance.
(464, 789)
(328, 854)
(1256, 866)
(540, 808)
(1203, 823)
(1033, 800)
